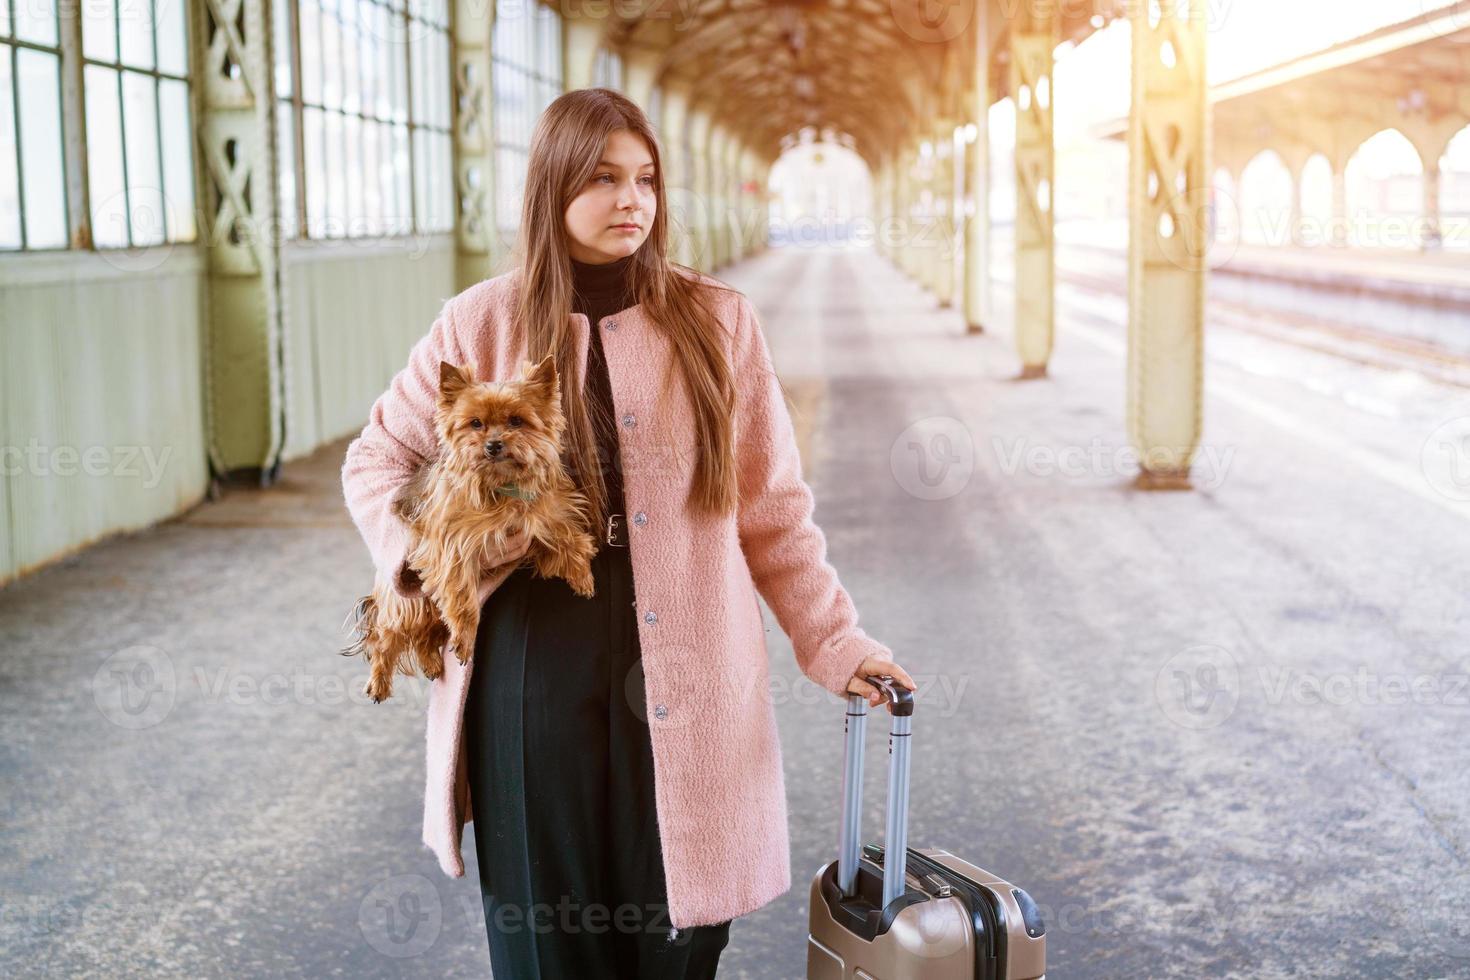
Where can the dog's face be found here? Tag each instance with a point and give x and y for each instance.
(508, 430)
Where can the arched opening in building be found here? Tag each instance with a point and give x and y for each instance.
(1316, 191)
(1265, 200)
(1454, 191)
(821, 192)
(1385, 193)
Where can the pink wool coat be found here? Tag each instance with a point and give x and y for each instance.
(719, 787)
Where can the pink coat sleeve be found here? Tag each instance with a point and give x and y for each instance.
(786, 551)
(398, 437)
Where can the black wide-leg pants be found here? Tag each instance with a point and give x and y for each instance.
(560, 767)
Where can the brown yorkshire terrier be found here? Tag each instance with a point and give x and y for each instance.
(498, 475)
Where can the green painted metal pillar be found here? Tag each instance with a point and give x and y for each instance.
(898, 206)
(237, 137)
(740, 207)
(913, 215)
(878, 209)
(478, 249)
(1169, 227)
(924, 241)
(719, 196)
(678, 178)
(943, 235)
(580, 39)
(1033, 38)
(699, 187)
(640, 74)
(977, 184)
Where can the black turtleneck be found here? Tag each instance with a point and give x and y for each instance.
(599, 290)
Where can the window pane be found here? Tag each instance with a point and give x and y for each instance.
(99, 29)
(39, 88)
(372, 204)
(173, 55)
(400, 68)
(35, 20)
(178, 159)
(447, 195)
(135, 31)
(442, 84)
(331, 62)
(352, 173)
(104, 157)
(311, 48)
(416, 71)
(420, 167)
(145, 180)
(287, 171)
(351, 80)
(336, 189)
(316, 173)
(388, 55)
(369, 59)
(9, 188)
(389, 206)
(401, 179)
(281, 39)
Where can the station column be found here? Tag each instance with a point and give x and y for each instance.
(977, 184)
(698, 198)
(942, 233)
(678, 178)
(237, 139)
(1168, 247)
(1033, 38)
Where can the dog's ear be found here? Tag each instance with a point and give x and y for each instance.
(452, 381)
(542, 375)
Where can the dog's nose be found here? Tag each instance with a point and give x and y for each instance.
(493, 448)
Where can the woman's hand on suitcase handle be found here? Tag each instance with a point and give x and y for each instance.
(877, 667)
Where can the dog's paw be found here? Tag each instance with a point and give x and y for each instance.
(461, 650)
(378, 690)
(433, 666)
(584, 585)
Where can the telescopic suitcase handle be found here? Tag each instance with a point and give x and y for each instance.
(896, 829)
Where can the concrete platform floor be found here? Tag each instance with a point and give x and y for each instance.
(1217, 733)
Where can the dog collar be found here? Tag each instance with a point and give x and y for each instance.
(511, 490)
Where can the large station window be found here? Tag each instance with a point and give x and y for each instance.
(526, 54)
(134, 103)
(140, 177)
(372, 116)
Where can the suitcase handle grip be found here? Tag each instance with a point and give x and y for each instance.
(895, 831)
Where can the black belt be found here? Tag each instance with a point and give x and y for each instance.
(617, 530)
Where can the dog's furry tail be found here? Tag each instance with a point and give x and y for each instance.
(364, 618)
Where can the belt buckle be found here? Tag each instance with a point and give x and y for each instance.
(616, 529)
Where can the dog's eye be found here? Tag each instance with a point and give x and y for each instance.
(476, 424)
(516, 421)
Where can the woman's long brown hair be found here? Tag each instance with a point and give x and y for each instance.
(568, 141)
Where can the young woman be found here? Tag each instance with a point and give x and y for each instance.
(617, 756)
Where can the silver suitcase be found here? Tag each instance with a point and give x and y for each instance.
(894, 912)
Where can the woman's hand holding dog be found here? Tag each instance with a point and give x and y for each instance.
(516, 546)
